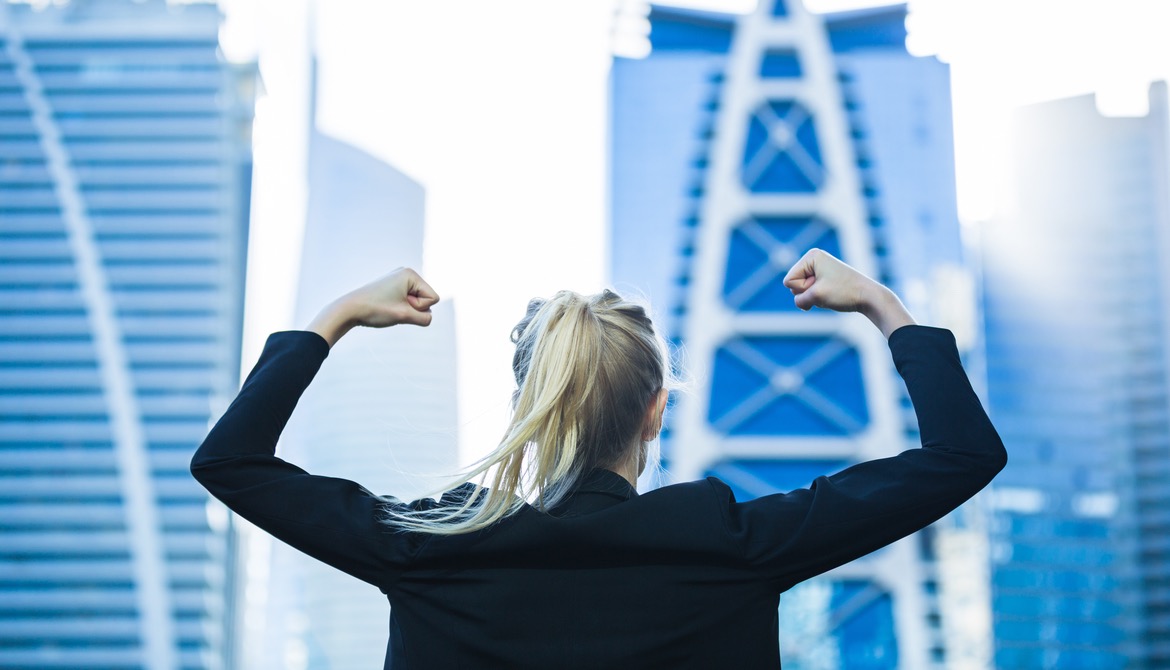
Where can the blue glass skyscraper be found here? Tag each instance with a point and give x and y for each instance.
(1076, 304)
(124, 178)
(738, 144)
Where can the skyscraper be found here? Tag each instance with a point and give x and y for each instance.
(1076, 298)
(381, 410)
(738, 144)
(124, 187)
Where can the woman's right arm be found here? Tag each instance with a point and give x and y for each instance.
(839, 518)
(332, 519)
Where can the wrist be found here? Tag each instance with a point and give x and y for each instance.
(883, 308)
(334, 320)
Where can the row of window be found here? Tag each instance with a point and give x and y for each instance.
(1009, 578)
(1058, 657)
(69, 631)
(152, 148)
(82, 426)
(132, 273)
(1086, 633)
(175, 487)
(191, 656)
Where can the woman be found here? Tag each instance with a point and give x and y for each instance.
(560, 562)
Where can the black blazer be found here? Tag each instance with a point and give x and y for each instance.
(681, 577)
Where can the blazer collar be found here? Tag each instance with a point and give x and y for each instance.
(600, 480)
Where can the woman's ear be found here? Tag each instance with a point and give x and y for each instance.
(652, 422)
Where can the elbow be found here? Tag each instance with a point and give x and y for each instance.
(196, 468)
(999, 457)
(195, 465)
(208, 473)
(199, 466)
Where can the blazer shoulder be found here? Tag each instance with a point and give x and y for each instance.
(702, 502)
(700, 490)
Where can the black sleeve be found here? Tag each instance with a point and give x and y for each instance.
(797, 535)
(333, 520)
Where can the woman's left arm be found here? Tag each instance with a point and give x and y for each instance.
(800, 534)
(797, 535)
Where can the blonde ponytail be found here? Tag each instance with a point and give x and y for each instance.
(586, 369)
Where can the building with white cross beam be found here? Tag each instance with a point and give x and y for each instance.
(738, 143)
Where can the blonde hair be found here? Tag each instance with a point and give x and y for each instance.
(587, 369)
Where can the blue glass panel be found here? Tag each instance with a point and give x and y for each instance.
(757, 137)
(873, 29)
(678, 29)
(1017, 630)
(750, 479)
(1019, 605)
(745, 258)
(1075, 555)
(866, 627)
(806, 135)
(760, 253)
(840, 379)
(1020, 658)
(1013, 577)
(1035, 527)
(781, 154)
(784, 64)
(787, 386)
(783, 176)
(1081, 632)
(1029, 656)
(779, 8)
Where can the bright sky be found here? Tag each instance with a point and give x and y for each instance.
(499, 110)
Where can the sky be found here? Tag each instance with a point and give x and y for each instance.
(499, 110)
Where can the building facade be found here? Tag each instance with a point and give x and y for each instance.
(125, 168)
(1076, 298)
(738, 144)
(381, 411)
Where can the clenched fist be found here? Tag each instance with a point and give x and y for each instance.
(819, 279)
(401, 296)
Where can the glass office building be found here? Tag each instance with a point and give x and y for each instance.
(738, 143)
(124, 179)
(1076, 301)
(379, 412)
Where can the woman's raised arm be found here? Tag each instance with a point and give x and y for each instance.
(332, 519)
(797, 535)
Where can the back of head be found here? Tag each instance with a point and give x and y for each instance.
(587, 368)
